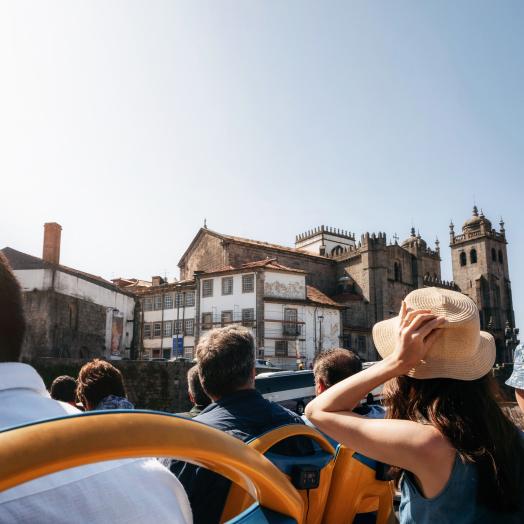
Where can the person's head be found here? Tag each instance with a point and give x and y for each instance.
(12, 318)
(64, 388)
(196, 392)
(333, 366)
(226, 361)
(97, 380)
(516, 380)
(453, 390)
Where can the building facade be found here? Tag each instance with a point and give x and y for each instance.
(70, 313)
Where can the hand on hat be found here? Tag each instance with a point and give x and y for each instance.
(417, 333)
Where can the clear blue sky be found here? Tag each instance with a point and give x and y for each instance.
(129, 122)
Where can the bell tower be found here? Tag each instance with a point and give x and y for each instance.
(480, 269)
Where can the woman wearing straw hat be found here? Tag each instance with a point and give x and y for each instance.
(457, 456)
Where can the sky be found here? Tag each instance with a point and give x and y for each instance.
(130, 122)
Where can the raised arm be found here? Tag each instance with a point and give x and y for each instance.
(415, 447)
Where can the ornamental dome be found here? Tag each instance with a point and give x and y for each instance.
(474, 223)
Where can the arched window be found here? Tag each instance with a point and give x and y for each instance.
(337, 250)
(493, 254)
(463, 259)
(501, 258)
(473, 256)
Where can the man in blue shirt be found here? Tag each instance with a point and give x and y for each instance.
(226, 366)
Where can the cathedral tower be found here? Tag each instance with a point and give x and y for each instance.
(480, 269)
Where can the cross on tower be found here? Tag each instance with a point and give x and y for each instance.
(395, 238)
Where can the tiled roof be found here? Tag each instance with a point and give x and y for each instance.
(258, 243)
(268, 263)
(315, 295)
(22, 261)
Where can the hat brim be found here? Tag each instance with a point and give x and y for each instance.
(461, 366)
(516, 380)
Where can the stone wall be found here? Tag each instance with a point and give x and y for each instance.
(321, 273)
(159, 386)
(63, 326)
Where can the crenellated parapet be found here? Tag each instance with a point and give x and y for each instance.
(432, 281)
(342, 233)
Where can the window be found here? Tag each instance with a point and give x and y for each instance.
(178, 300)
(168, 328)
(190, 298)
(227, 318)
(207, 288)
(207, 320)
(501, 258)
(189, 352)
(473, 256)
(190, 326)
(248, 283)
(248, 317)
(147, 330)
(281, 348)
(290, 322)
(337, 250)
(148, 304)
(463, 259)
(493, 254)
(168, 301)
(158, 301)
(178, 327)
(361, 345)
(157, 329)
(227, 286)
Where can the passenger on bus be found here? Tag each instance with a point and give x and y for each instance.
(63, 388)
(333, 366)
(131, 491)
(101, 386)
(226, 366)
(517, 377)
(197, 395)
(459, 458)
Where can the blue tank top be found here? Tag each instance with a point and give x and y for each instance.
(456, 503)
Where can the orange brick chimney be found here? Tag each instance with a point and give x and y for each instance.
(52, 234)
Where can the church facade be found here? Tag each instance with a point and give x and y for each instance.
(368, 278)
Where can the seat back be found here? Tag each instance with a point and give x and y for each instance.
(323, 457)
(355, 489)
(38, 449)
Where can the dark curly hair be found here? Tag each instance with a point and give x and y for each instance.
(97, 380)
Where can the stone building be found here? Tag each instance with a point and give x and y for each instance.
(369, 279)
(70, 313)
(480, 269)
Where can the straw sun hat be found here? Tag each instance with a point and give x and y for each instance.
(461, 352)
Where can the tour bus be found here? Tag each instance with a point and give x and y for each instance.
(294, 389)
(291, 389)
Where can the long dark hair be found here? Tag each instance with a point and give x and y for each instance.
(468, 415)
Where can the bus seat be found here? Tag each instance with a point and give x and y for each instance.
(323, 458)
(356, 489)
(41, 448)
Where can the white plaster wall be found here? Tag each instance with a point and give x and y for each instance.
(330, 241)
(235, 302)
(169, 314)
(77, 287)
(31, 279)
(330, 329)
(284, 285)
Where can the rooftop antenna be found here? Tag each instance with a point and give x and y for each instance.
(205, 223)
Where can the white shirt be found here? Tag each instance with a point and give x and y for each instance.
(118, 491)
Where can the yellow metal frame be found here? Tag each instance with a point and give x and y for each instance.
(238, 500)
(32, 451)
(354, 489)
